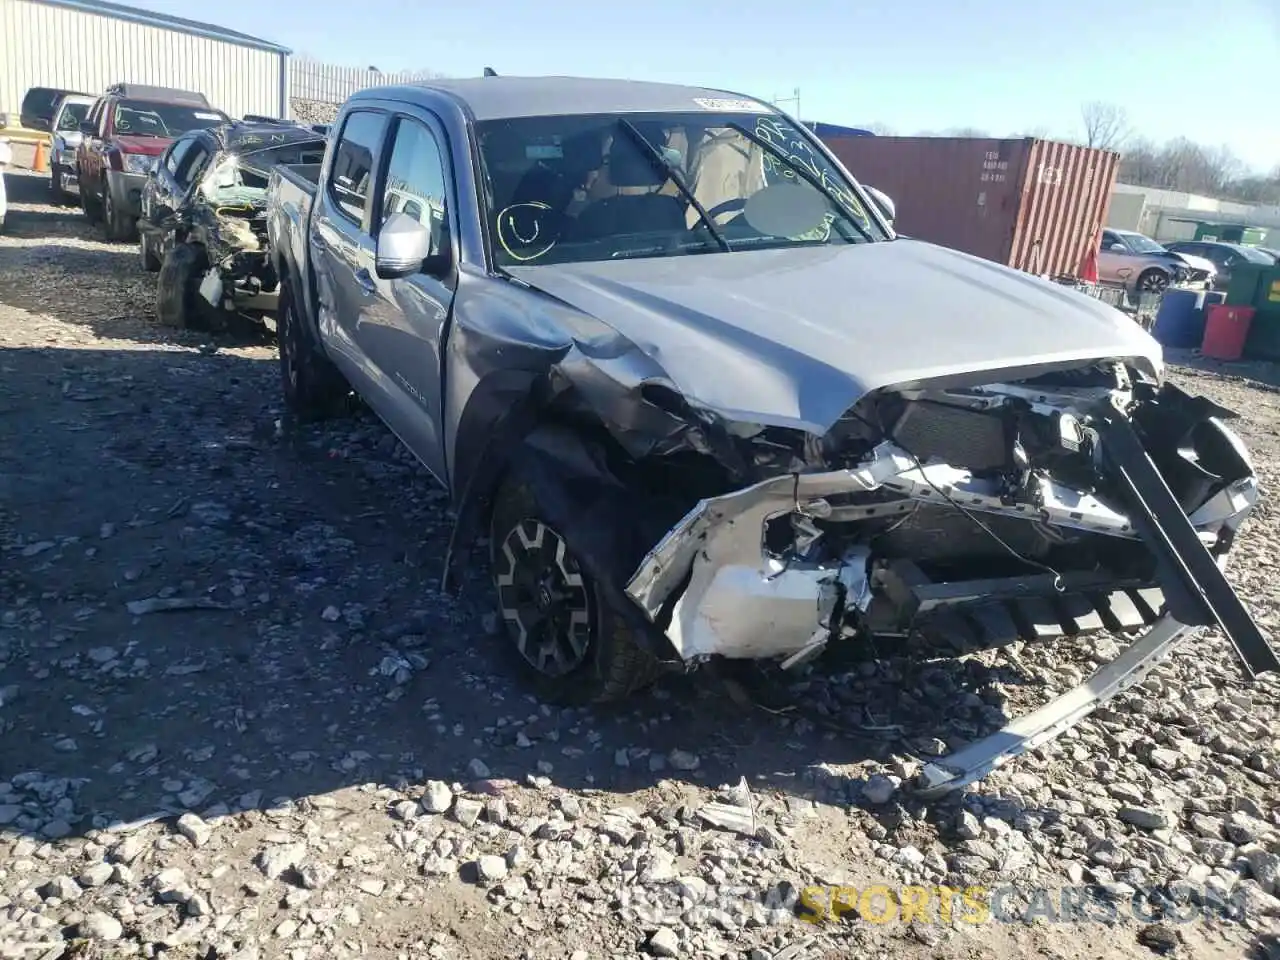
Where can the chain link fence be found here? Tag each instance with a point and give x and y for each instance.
(1142, 307)
(317, 89)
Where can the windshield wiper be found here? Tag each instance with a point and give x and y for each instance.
(665, 165)
(806, 175)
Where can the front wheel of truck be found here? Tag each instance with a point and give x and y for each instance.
(178, 300)
(314, 389)
(566, 640)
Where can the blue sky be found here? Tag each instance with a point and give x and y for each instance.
(1207, 70)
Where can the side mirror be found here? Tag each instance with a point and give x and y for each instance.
(405, 247)
(1117, 247)
(883, 201)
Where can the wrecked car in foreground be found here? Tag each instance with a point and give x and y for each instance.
(671, 358)
(203, 223)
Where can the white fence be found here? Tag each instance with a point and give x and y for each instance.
(330, 83)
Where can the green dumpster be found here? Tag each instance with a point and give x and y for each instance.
(1264, 333)
(1245, 286)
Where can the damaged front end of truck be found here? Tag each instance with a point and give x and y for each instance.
(1091, 498)
(229, 213)
(1079, 501)
(223, 217)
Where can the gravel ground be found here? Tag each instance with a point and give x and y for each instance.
(238, 718)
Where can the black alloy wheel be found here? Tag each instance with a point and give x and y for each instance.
(544, 599)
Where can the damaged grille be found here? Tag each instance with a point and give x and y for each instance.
(967, 438)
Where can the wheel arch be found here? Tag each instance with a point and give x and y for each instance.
(565, 459)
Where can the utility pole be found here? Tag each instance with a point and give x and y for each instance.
(794, 98)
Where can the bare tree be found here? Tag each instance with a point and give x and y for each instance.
(880, 129)
(1106, 125)
(1033, 133)
(974, 133)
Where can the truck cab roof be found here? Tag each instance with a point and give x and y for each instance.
(496, 98)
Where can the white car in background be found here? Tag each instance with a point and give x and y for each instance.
(6, 158)
(66, 136)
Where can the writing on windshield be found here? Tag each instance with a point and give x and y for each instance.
(138, 118)
(595, 187)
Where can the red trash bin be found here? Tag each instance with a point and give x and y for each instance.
(1225, 331)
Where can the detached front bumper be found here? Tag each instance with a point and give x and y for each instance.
(126, 191)
(722, 593)
(742, 602)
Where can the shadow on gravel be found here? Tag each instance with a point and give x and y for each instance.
(198, 611)
(1261, 372)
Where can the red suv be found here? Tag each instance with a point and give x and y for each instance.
(125, 132)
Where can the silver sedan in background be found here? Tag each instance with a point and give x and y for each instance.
(1141, 265)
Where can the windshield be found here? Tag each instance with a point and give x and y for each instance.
(141, 118)
(246, 175)
(72, 115)
(598, 187)
(1140, 244)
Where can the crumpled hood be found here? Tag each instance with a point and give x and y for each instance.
(1194, 262)
(794, 337)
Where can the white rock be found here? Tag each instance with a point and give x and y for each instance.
(664, 943)
(95, 875)
(490, 868)
(315, 876)
(437, 797)
(194, 829)
(62, 887)
(274, 861)
(880, 789)
(100, 926)
(467, 811)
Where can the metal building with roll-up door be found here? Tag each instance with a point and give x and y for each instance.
(87, 45)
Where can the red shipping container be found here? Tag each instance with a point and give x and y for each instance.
(1225, 331)
(1036, 205)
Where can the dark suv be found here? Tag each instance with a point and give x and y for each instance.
(1224, 256)
(39, 104)
(125, 132)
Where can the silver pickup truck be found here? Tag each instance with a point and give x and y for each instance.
(670, 359)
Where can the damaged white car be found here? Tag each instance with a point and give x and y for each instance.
(670, 356)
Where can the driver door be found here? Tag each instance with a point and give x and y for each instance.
(402, 324)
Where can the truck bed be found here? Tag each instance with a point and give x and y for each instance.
(290, 192)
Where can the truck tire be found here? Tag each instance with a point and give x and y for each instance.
(314, 389)
(549, 608)
(150, 262)
(59, 196)
(178, 300)
(116, 224)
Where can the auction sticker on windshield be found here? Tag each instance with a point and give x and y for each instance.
(207, 116)
(709, 103)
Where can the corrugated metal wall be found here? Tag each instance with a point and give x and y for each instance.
(56, 47)
(1065, 193)
(330, 83)
(1026, 203)
(957, 192)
